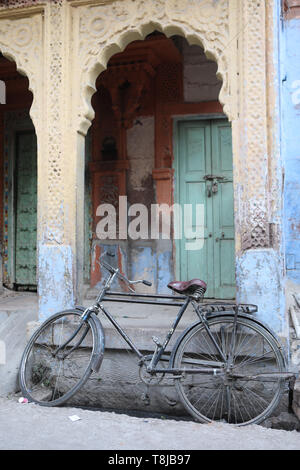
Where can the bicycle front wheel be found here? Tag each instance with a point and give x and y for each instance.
(244, 390)
(57, 361)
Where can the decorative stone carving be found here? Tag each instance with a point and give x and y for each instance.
(21, 40)
(109, 190)
(107, 28)
(19, 3)
(255, 220)
(126, 100)
(53, 226)
(170, 82)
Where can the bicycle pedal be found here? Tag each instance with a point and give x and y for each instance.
(156, 341)
(145, 398)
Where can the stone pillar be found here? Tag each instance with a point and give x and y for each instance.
(61, 176)
(259, 271)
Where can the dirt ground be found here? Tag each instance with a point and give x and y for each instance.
(29, 426)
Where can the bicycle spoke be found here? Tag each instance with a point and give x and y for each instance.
(240, 409)
(256, 396)
(255, 360)
(217, 400)
(46, 377)
(242, 344)
(224, 395)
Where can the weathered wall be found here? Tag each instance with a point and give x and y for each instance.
(290, 122)
(140, 190)
(63, 46)
(290, 88)
(200, 81)
(140, 152)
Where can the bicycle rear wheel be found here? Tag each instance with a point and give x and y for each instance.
(227, 395)
(57, 361)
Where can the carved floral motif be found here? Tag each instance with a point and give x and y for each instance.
(21, 41)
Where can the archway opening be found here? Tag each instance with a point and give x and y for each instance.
(160, 136)
(18, 180)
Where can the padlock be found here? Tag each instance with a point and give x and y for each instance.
(214, 186)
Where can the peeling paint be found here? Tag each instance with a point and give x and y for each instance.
(55, 286)
(290, 146)
(258, 275)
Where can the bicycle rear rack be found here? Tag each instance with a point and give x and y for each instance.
(222, 307)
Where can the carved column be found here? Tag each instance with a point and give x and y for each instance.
(258, 264)
(60, 238)
(254, 223)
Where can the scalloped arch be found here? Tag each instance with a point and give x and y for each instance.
(95, 63)
(13, 57)
(21, 41)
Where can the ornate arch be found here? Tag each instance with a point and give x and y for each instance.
(107, 29)
(21, 41)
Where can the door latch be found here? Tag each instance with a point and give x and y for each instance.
(220, 238)
(215, 179)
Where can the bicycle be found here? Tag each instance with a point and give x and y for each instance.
(227, 366)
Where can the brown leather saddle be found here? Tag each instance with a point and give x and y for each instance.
(187, 287)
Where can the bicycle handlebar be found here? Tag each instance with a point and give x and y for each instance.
(116, 271)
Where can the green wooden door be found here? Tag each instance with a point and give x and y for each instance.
(25, 209)
(204, 176)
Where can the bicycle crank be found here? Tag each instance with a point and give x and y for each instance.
(151, 379)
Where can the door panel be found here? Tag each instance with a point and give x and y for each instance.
(194, 164)
(204, 151)
(223, 210)
(26, 209)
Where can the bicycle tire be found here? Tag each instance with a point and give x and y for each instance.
(36, 372)
(205, 400)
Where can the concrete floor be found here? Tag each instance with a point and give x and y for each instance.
(29, 426)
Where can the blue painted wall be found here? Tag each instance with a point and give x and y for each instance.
(290, 118)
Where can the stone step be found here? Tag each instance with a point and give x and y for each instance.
(13, 337)
(296, 399)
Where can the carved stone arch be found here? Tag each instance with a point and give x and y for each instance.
(21, 42)
(107, 29)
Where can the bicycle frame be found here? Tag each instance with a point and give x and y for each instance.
(216, 367)
(160, 348)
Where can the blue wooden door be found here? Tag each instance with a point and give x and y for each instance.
(25, 209)
(203, 172)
